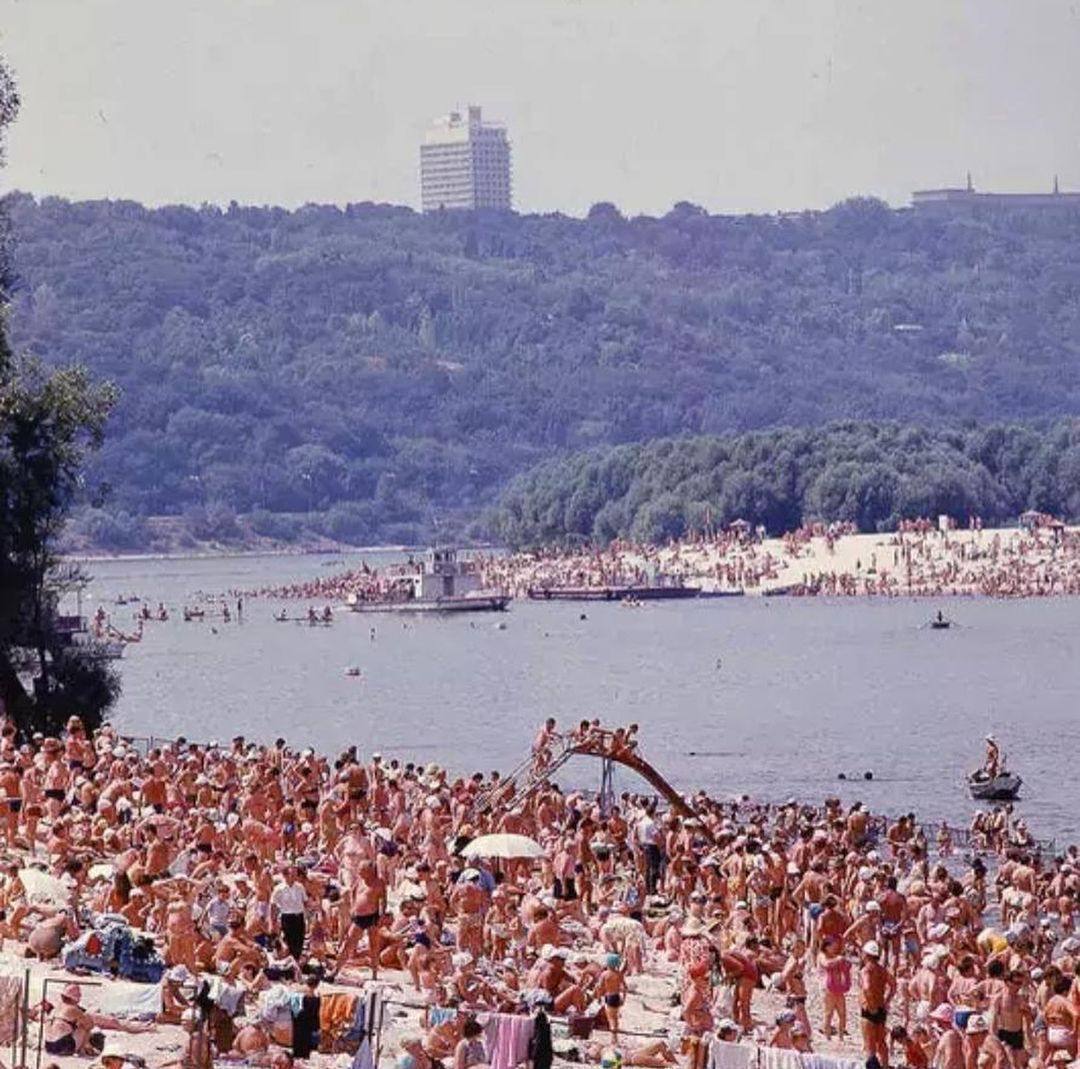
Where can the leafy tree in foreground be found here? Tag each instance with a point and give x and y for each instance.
(48, 421)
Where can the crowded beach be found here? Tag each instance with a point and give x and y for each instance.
(1039, 558)
(251, 903)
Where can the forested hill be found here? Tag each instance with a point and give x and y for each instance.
(870, 474)
(361, 372)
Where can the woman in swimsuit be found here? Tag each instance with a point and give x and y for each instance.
(1061, 1020)
(470, 1052)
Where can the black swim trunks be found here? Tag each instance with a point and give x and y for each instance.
(363, 921)
(65, 1045)
(1012, 1040)
(874, 1016)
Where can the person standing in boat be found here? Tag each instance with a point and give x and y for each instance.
(992, 764)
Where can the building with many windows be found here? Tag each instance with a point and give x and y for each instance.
(465, 163)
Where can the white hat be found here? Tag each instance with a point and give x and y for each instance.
(871, 949)
(692, 927)
(113, 1049)
(873, 907)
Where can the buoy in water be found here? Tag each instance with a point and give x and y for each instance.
(842, 775)
(352, 670)
(583, 617)
(868, 775)
(500, 626)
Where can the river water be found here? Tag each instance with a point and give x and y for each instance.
(773, 697)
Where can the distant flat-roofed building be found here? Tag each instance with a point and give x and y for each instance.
(465, 163)
(968, 197)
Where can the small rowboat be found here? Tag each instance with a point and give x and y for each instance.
(1004, 787)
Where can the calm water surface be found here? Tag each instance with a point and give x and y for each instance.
(774, 697)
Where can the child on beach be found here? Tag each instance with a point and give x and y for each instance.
(836, 980)
(611, 989)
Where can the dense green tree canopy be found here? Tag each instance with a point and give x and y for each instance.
(375, 369)
(869, 474)
(49, 419)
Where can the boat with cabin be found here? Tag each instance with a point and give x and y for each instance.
(440, 583)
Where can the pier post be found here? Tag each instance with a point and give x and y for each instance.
(606, 797)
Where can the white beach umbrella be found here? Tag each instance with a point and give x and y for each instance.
(503, 845)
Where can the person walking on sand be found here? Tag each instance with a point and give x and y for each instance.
(876, 989)
(611, 989)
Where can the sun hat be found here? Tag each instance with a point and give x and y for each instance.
(871, 949)
(943, 1013)
(113, 1049)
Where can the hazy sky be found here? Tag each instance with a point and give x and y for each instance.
(739, 105)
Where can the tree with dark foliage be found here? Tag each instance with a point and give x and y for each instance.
(48, 422)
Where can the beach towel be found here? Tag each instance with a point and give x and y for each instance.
(774, 1058)
(11, 989)
(275, 1004)
(507, 1037)
(730, 1055)
(132, 1002)
(541, 1054)
(336, 1014)
(43, 889)
(367, 1025)
(822, 1061)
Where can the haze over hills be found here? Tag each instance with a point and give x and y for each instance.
(367, 372)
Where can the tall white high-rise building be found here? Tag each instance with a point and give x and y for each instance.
(465, 163)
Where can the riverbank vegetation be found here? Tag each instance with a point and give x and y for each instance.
(369, 374)
(870, 474)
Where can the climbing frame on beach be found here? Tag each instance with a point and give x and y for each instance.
(532, 774)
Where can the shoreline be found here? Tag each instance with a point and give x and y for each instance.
(918, 561)
(239, 554)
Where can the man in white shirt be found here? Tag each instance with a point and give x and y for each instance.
(287, 905)
(647, 833)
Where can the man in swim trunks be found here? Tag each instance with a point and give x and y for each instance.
(876, 989)
(1010, 1017)
(368, 904)
(10, 803)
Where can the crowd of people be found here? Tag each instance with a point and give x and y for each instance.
(267, 868)
(921, 558)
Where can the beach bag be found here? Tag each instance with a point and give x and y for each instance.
(580, 1026)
